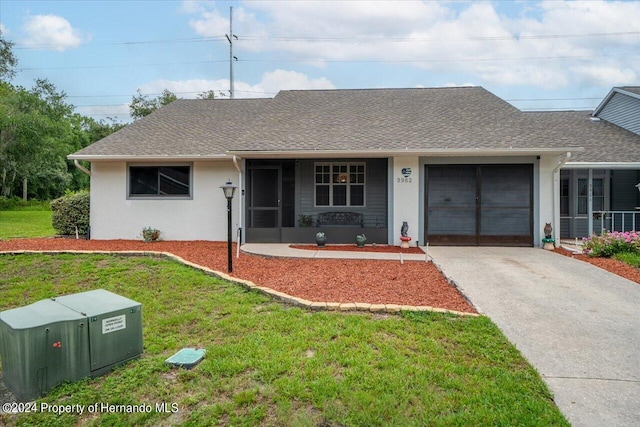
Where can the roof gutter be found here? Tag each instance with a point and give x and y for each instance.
(400, 153)
(82, 168)
(602, 165)
(146, 158)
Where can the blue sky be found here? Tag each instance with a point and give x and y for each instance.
(537, 55)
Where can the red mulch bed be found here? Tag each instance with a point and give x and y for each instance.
(324, 280)
(366, 248)
(609, 264)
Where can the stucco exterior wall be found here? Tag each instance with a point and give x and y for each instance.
(203, 217)
(549, 206)
(405, 200)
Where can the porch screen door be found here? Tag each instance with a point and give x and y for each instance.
(264, 198)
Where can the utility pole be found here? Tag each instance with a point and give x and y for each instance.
(230, 37)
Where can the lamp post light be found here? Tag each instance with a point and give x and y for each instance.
(229, 189)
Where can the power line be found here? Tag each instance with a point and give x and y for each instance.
(27, 46)
(337, 61)
(278, 38)
(436, 39)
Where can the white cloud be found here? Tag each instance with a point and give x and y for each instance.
(607, 75)
(51, 32)
(4, 30)
(549, 44)
(271, 83)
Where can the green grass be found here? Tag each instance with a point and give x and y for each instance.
(271, 364)
(28, 221)
(632, 259)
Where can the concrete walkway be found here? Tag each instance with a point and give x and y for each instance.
(284, 250)
(577, 324)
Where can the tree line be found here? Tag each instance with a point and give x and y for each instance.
(38, 129)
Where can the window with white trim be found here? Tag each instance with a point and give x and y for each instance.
(159, 181)
(340, 184)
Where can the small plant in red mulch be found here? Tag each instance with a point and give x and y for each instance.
(610, 243)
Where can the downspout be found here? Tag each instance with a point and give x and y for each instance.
(241, 196)
(556, 198)
(82, 168)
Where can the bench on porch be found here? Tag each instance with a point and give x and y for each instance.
(340, 219)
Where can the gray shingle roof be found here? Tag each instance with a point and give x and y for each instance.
(602, 141)
(466, 119)
(392, 119)
(198, 127)
(632, 89)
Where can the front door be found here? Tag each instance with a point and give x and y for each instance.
(264, 199)
(479, 205)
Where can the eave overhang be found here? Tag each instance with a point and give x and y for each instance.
(146, 158)
(601, 165)
(440, 152)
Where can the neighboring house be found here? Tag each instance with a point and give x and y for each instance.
(598, 186)
(459, 165)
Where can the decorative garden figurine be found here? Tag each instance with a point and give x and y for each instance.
(404, 237)
(321, 239)
(548, 241)
(360, 240)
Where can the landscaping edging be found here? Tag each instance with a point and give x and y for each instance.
(286, 298)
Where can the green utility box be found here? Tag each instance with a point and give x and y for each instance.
(66, 339)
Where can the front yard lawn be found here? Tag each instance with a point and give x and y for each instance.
(27, 222)
(272, 364)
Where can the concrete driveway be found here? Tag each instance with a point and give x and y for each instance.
(577, 324)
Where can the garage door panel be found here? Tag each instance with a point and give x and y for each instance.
(452, 188)
(479, 204)
(452, 221)
(505, 222)
(505, 186)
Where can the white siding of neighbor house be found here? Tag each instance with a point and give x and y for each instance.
(624, 111)
(203, 217)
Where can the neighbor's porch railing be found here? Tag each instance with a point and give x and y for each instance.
(616, 220)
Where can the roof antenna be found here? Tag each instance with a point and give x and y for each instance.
(230, 38)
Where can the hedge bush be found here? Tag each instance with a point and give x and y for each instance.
(71, 211)
(611, 243)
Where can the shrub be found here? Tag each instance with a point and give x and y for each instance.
(71, 211)
(611, 243)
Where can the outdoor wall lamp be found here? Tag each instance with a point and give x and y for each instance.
(229, 190)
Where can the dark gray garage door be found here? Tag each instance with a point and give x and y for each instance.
(479, 205)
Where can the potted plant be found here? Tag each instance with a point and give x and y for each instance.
(150, 234)
(360, 240)
(321, 239)
(305, 220)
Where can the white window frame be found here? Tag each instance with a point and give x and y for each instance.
(331, 184)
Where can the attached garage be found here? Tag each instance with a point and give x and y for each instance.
(479, 205)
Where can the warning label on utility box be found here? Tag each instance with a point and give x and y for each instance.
(113, 324)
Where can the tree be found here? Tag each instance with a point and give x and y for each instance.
(208, 94)
(34, 134)
(8, 61)
(141, 105)
(38, 129)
